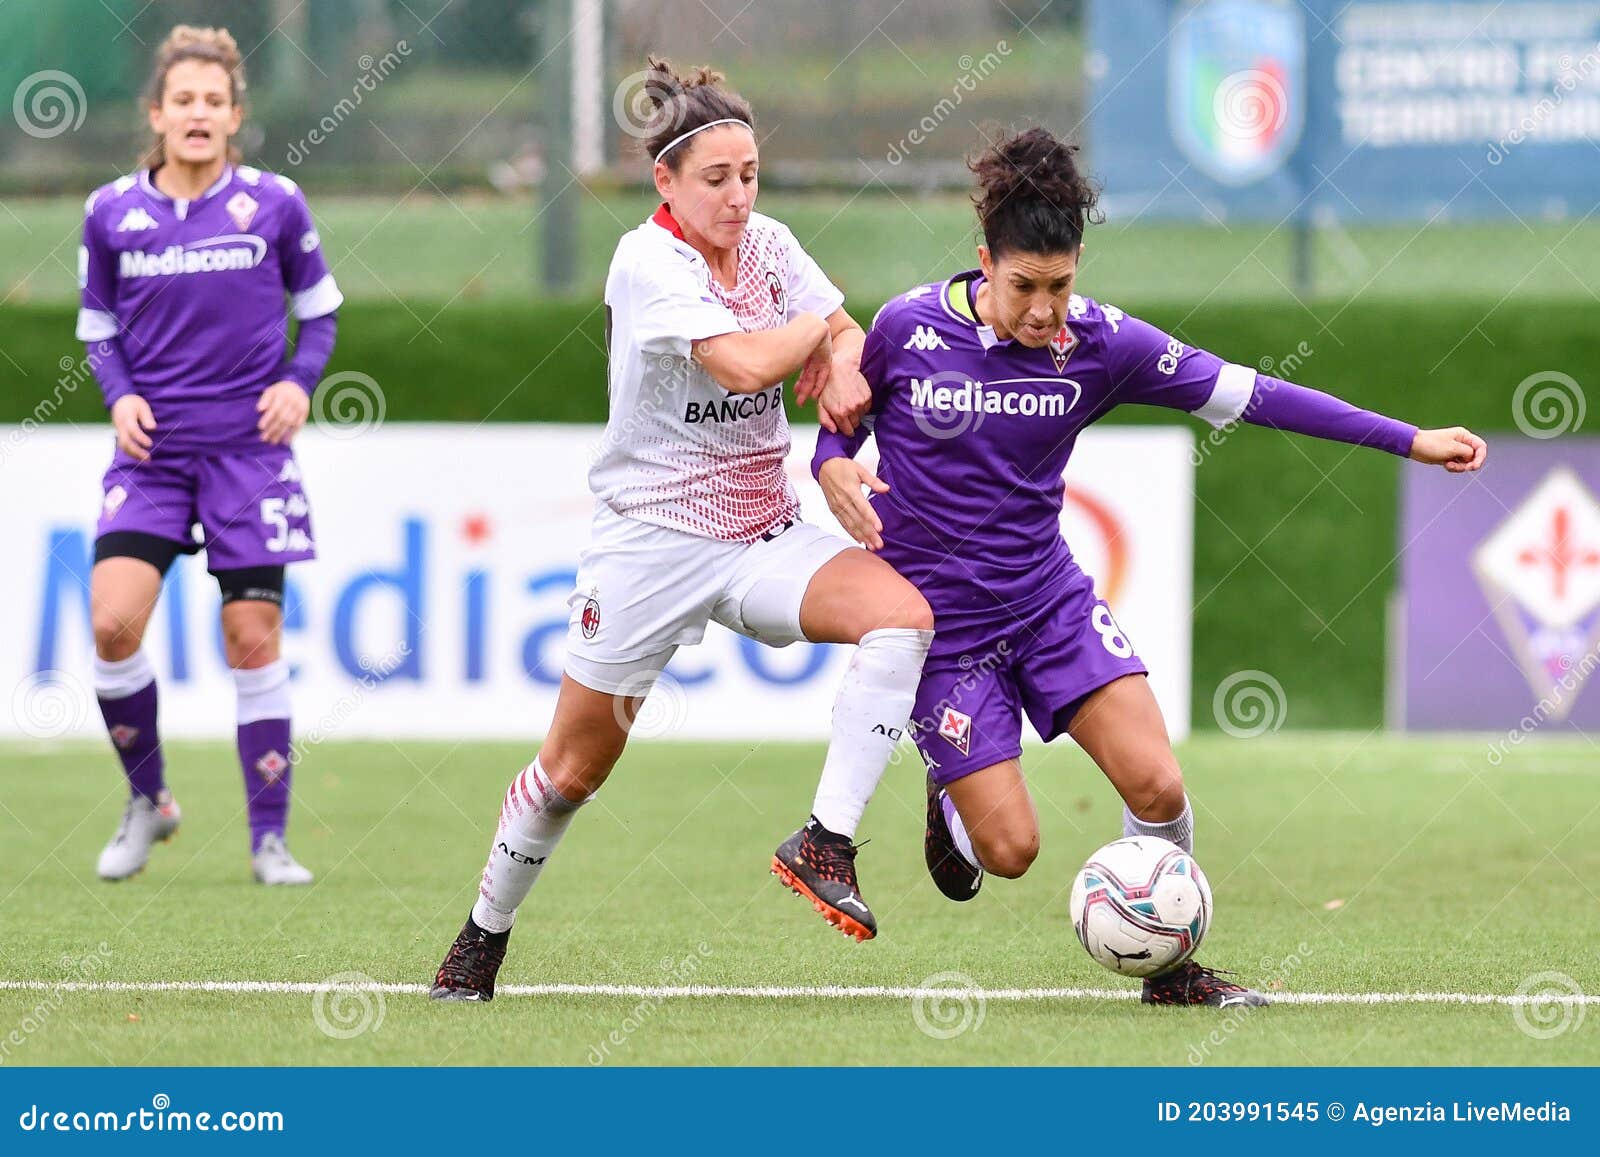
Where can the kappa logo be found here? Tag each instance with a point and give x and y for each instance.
(919, 291)
(925, 337)
(136, 220)
(956, 726)
(272, 765)
(289, 472)
(1061, 347)
(242, 208)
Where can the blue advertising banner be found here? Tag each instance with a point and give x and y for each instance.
(1346, 109)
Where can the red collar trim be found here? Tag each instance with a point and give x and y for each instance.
(664, 218)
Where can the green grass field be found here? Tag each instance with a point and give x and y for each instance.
(1342, 863)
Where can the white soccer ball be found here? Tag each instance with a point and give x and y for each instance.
(1141, 905)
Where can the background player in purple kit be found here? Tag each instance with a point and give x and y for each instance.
(185, 268)
(981, 385)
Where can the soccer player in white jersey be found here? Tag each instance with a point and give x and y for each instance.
(710, 306)
(191, 268)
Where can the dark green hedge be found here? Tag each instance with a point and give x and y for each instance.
(1294, 540)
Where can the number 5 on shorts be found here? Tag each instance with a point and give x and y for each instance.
(1110, 633)
(272, 514)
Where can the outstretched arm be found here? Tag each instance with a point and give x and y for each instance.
(1283, 405)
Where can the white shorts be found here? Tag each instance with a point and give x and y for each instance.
(644, 590)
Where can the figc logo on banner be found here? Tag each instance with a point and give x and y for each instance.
(1236, 86)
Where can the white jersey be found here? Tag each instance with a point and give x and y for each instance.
(679, 450)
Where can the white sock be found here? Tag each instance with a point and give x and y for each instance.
(958, 830)
(1179, 831)
(869, 716)
(533, 818)
(119, 678)
(263, 692)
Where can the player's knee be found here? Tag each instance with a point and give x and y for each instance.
(249, 644)
(912, 613)
(115, 638)
(577, 772)
(1009, 855)
(1155, 793)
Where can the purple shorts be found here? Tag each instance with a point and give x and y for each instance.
(249, 505)
(977, 683)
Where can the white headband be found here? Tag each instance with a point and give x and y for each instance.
(678, 140)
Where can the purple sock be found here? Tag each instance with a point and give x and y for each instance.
(126, 690)
(265, 757)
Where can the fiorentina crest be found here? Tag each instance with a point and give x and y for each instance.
(1236, 85)
(1540, 572)
(1062, 345)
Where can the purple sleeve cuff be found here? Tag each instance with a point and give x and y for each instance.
(1283, 405)
(110, 369)
(313, 346)
(834, 445)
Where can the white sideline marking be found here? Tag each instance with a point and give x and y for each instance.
(771, 992)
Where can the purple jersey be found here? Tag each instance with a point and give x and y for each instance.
(974, 434)
(193, 293)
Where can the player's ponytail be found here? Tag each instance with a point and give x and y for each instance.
(186, 42)
(681, 104)
(1031, 194)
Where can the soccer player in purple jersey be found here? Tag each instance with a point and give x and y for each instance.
(185, 268)
(981, 385)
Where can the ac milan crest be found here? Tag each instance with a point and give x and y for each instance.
(780, 299)
(1540, 572)
(242, 208)
(956, 726)
(1061, 347)
(590, 620)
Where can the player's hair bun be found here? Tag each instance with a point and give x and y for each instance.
(1031, 194)
(683, 102)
